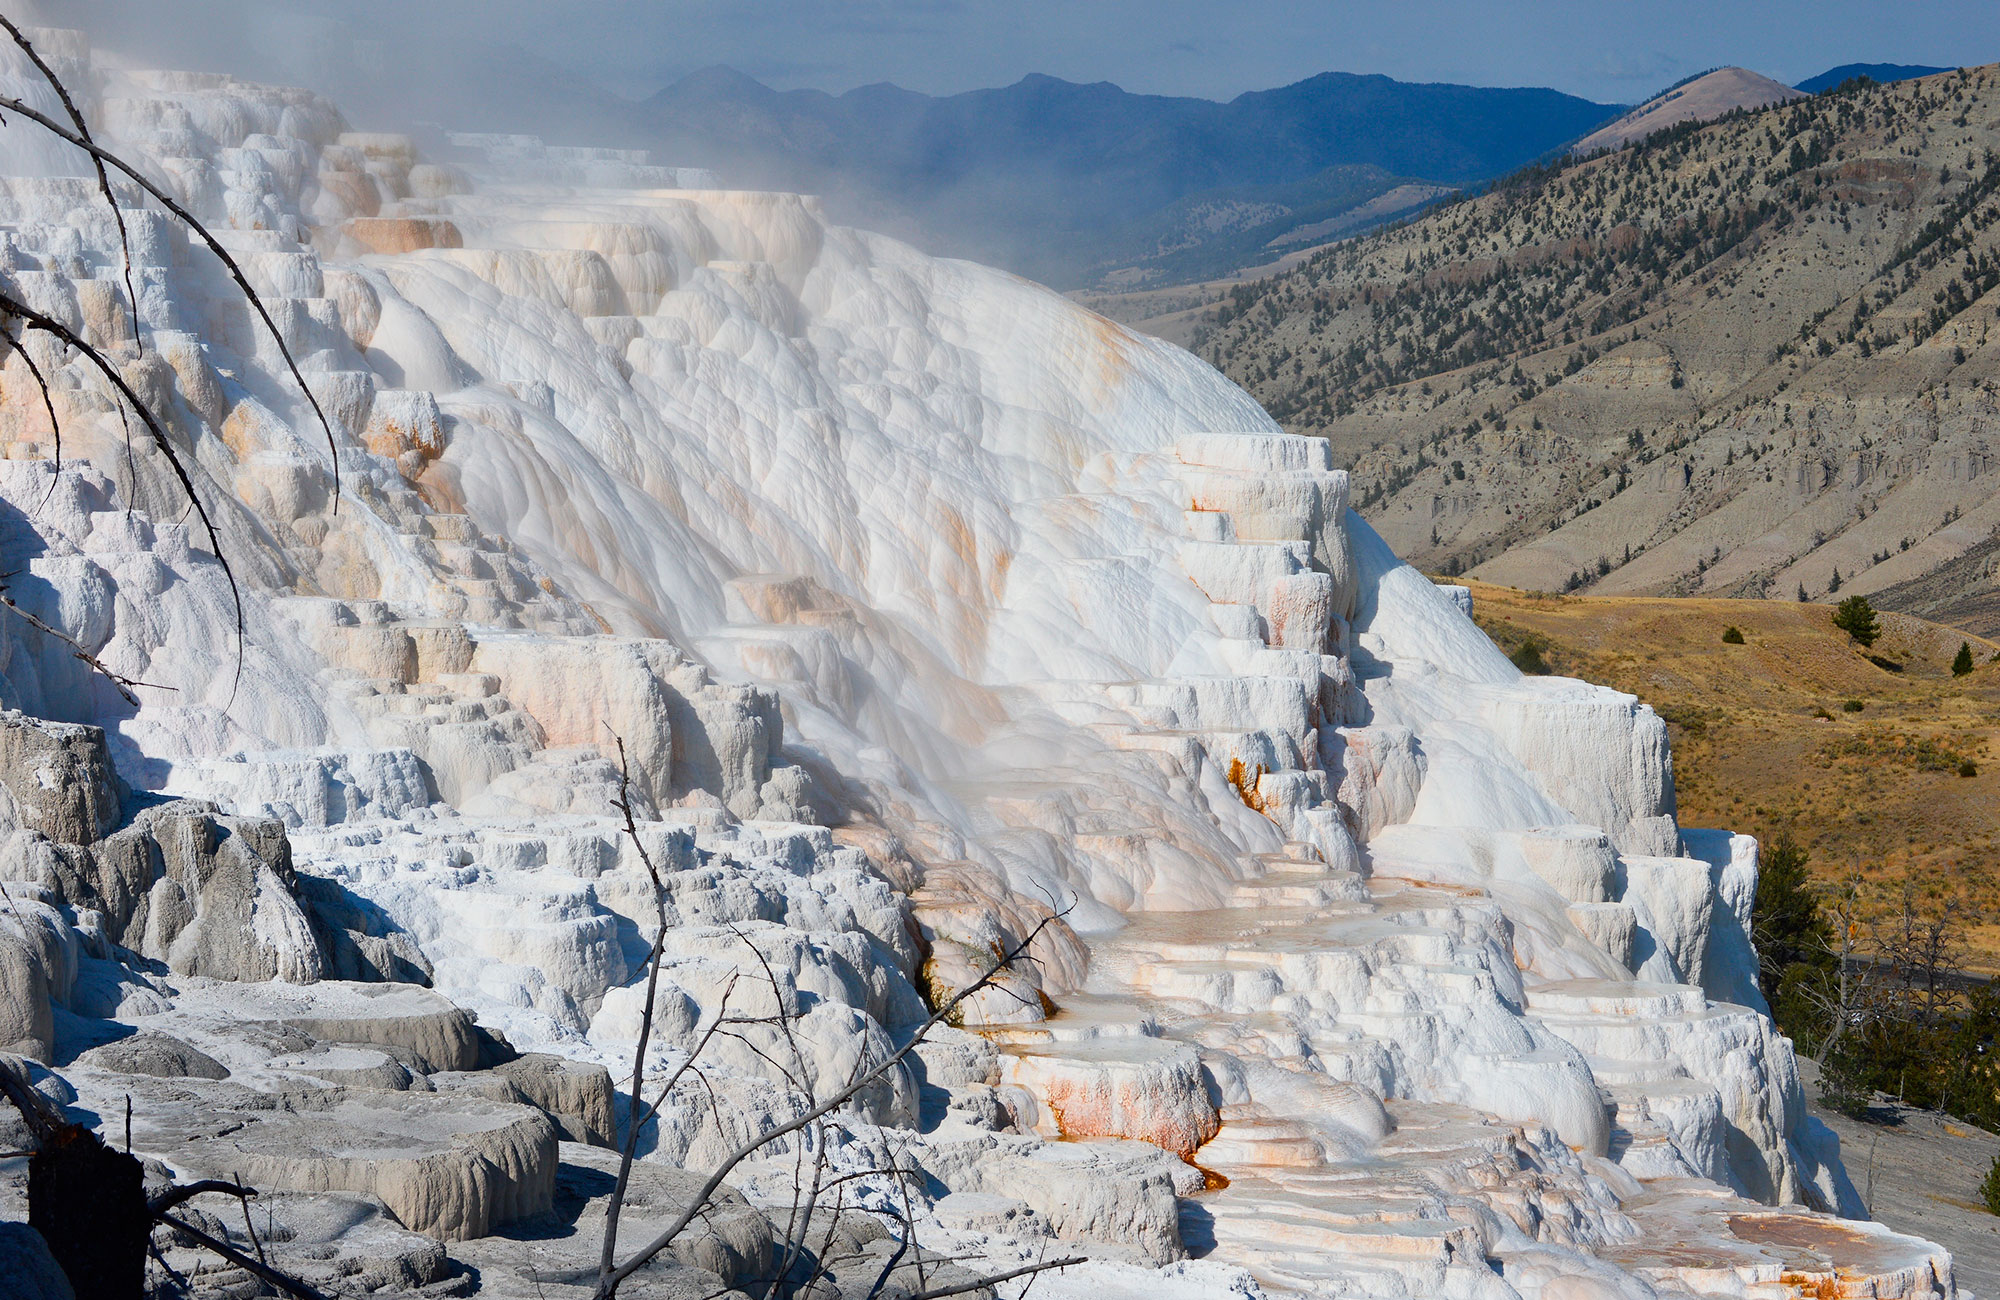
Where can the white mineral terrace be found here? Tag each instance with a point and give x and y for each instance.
(924, 603)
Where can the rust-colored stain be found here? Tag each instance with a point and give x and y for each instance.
(1114, 349)
(1244, 781)
(1211, 1181)
(404, 234)
(1861, 1254)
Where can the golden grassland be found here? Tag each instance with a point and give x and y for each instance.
(1862, 759)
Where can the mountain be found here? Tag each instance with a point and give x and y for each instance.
(1753, 358)
(1882, 72)
(1699, 99)
(705, 632)
(1071, 183)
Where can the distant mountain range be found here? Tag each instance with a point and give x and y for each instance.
(1078, 184)
(1878, 72)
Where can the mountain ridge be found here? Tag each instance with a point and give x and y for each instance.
(1067, 182)
(1749, 358)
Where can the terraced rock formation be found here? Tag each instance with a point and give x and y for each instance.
(925, 612)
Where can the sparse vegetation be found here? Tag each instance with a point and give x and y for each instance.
(1507, 368)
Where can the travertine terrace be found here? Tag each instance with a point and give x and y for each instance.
(924, 604)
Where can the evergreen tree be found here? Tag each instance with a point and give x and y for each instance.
(1856, 617)
(1833, 586)
(1963, 663)
(1802, 593)
(1786, 924)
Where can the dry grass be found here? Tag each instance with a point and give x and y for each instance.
(1763, 740)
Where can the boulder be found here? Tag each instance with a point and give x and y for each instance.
(451, 1167)
(402, 1017)
(31, 1273)
(160, 1055)
(577, 1097)
(207, 894)
(27, 1018)
(57, 778)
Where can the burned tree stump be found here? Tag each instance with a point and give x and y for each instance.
(89, 1203)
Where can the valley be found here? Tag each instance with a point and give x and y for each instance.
(1747, 358)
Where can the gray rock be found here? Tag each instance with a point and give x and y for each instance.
(450, 1167)
(27, 1270)
(159, 1055)
(339, 1242)
(733, 1243)
(27, 1018)
(205, 893)
(575, 1096)
(413, 1023)
(57, 778)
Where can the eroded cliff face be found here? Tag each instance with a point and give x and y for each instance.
(923, 604)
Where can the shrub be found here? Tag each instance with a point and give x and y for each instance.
(1989, 1188)
(1852, 706)
(1822, 713)
(1962, 665)
(1968, 768)
(1528, 657)
(1856, 617)
(1732, 635)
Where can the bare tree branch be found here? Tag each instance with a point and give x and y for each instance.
(51, 326)
(174, 1196)
(290, 1285)
(201, 232)
(608, 1285)
(938, 1293)
(103, 180)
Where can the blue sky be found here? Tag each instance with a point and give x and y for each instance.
(1612, 50)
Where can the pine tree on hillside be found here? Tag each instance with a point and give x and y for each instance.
(1962, 665)
(1856, 617)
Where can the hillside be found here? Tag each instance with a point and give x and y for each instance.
(1079, 184)
(1700, 99)
(1746, 359)
(1764, 738)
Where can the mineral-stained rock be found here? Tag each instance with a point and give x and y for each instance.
(1144, 1088)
